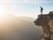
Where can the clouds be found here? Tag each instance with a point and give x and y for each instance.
(37, 2)
(7, 1)
(26, 1)
(18, 28)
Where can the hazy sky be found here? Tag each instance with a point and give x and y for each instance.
(29, 8)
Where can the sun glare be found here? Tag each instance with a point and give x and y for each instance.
(2, 10)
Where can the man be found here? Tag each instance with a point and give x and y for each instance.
(41, 10)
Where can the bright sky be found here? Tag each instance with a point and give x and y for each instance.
(29, 8)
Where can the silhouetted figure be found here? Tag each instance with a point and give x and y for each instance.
(41, 10)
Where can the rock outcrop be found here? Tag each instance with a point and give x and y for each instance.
(43, 20)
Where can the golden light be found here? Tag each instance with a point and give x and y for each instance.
(2, 10)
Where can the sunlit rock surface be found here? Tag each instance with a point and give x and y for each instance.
(51, 25)
(18, 28)
(51, 28)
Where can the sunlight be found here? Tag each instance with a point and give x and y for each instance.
(2, 10)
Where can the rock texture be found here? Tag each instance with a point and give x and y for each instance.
(43, 20)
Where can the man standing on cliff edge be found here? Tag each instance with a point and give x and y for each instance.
(41, 10)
